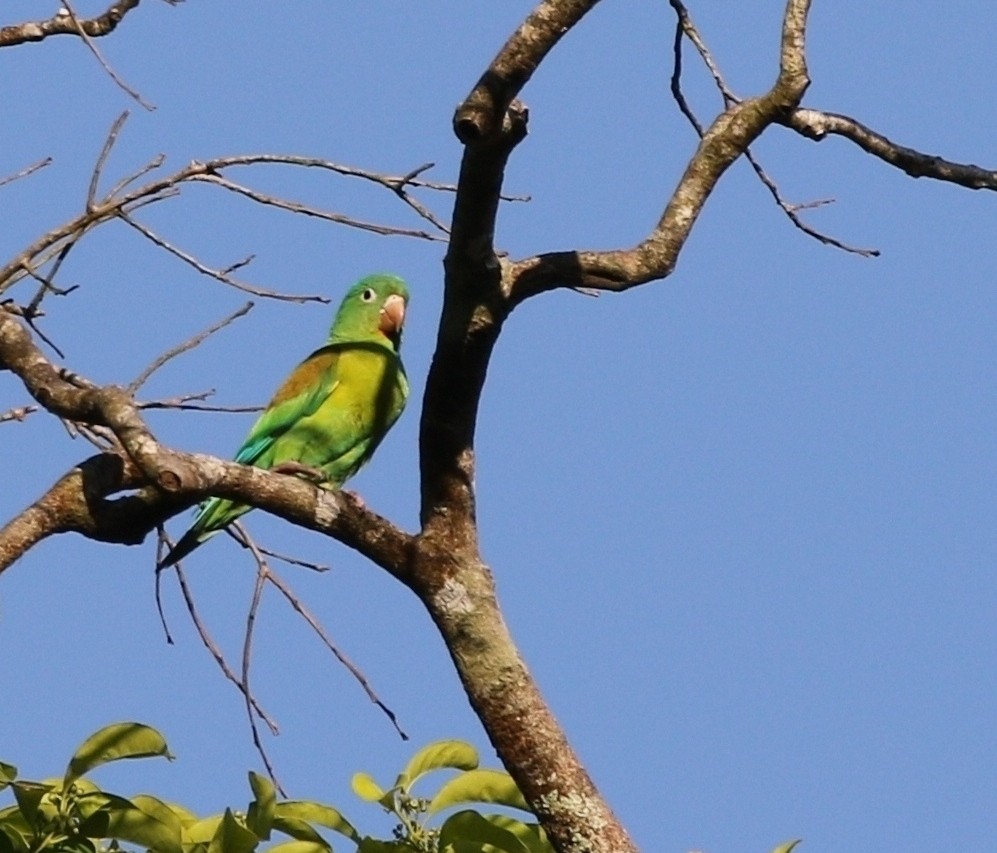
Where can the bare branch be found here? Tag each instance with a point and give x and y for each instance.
(27, 170)
(189, 402)
(65, 24)
(186, 346)
(213, 649)
(295, 602)
(221, 275)
(294, 561)
(685, 26)
(112, 136)
(676, 80)
(727, 138)
(817, 125)
(151, 166)
(17, 414)
(120, 204)
(100, 58)
(792, 212)
(262, 572)
(307, 210)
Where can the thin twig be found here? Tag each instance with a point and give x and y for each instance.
(32, 309)
(791, 211)
(218, 274)
(161, 550)
(294, 561)
(262, 574)
(684, 28)
(685, 22)
(676, 82)
(186, 402)
(389, 181)
(213, 649)
(307, 210)
(27, 170)
(151, 166)
(295, 602)
(186, 346)
(103, 62)
(18, 414)
(417, 206)
(112, 136)
(34, 326)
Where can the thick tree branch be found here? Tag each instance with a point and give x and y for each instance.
(727, 138)
(480, 290)
(168, 481)
(483, 110)
(818, 125)
(63, 23)
(448, 574)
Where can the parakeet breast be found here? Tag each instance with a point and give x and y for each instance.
(341, 435)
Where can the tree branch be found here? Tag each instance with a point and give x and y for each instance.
(448, 574)
(818, 125)
(168, 481)
(63, 23)
(727, 138)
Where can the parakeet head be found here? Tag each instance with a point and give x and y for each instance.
(373, 309)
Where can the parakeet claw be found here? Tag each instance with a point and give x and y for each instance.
(299, 470)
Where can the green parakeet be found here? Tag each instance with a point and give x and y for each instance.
(333, 410)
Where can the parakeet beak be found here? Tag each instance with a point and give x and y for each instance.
(392, 316)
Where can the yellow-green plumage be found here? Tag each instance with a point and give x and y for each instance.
(333, 410)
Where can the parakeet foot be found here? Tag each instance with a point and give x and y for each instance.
(299, 470)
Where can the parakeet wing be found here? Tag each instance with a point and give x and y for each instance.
(308, 386)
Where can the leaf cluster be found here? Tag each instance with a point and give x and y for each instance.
(72, 814)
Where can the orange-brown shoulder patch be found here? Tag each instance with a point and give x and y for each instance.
(308, 375)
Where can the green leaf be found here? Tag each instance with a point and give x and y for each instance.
(323, 815)
(13, 821)
(94, 801)
(163, 811)
(470, 830)
(299, 830)
(788, 846)
(366, 788)
(479, 786)
(259, 815)
(531, 834)
(95, 826)
(8, 773)
(298, 847)
(455, 754)
(12, 840)
(154, 828)
(113, 743)
(201, 831)
(232, 837)
(29, 797)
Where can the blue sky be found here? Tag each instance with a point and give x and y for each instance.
(741, 521)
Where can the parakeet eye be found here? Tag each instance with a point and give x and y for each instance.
(368, 295)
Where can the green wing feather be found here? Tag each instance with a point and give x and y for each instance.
(308, 386)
